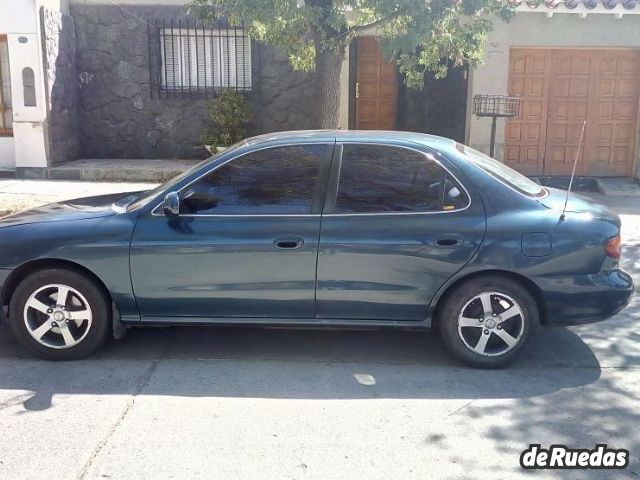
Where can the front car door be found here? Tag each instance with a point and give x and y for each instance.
(396, 226)
(244, 245)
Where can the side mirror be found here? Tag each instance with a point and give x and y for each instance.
(171, 205)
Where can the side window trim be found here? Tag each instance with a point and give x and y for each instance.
(319, 196)
(334, 181)
(316, 201)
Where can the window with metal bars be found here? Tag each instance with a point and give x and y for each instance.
(197, 59)
(6, 112)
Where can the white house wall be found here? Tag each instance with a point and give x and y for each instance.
(18, 16)
(29, 144)
(7, 153)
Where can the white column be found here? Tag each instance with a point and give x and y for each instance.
(21, 25)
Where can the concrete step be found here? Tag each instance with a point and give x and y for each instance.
(109, 170)
(619, 186)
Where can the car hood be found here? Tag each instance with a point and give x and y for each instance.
(77, 209)
(577, 204)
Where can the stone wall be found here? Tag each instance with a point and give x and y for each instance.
(59, 50)
(122, 118)
(284, 99)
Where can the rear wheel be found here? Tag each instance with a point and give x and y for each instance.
(59, 314)
(487, 321)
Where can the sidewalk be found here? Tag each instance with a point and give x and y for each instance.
(16, 195)
(110, 170)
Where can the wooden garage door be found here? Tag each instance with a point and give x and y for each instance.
(529, 75)
(616, 91)
(562, 88)
(377, 89)
(569, 97)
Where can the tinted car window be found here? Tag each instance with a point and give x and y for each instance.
(502, 172)
(279, 180)
(381, 178)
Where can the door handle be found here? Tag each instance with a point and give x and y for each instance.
(449, 241)
(288, 242)
(357, 89)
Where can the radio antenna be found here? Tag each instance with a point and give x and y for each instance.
(573, 172)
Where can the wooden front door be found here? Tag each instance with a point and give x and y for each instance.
(562, 88)
(376, 88)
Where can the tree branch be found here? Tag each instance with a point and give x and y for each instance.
(380, 21)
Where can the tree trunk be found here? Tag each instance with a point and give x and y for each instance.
(328, 68)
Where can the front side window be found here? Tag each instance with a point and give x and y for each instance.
(381, 178)
(280, 180)
(194, 59)
(6, 111)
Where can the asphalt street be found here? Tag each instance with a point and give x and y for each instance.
(253, 403)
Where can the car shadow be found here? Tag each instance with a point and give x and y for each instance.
(302, 364)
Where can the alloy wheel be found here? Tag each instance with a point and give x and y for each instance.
(57, 316)
(491, 323)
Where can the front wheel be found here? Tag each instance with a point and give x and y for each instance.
(59, 314)
(486, 322)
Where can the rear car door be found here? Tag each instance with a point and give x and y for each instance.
(396, 226)
(244, 245)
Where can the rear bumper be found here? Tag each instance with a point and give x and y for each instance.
(585, 298)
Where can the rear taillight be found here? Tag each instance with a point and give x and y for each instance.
(613, 247)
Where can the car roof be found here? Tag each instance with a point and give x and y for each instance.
(375, 136)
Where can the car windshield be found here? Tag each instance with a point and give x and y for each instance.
(503, 173)
(130, 202)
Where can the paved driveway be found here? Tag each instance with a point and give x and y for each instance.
(233, 402)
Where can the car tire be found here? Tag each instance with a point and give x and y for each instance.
(69, 330)
(487, 321)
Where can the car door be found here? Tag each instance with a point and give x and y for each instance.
(244, 245)
(395, 227)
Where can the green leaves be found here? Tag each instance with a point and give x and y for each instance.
(278, 22)
(303, 58)
(229, 114)
(439, 35)
(420, 35)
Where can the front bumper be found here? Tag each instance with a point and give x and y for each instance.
(585, 298)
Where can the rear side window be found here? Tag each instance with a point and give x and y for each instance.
(382, 178)
(279, 180)
(503, 173)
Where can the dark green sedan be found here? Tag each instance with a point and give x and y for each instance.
(324, 229)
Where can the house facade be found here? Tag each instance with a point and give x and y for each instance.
(569, 62)
(132, 79)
